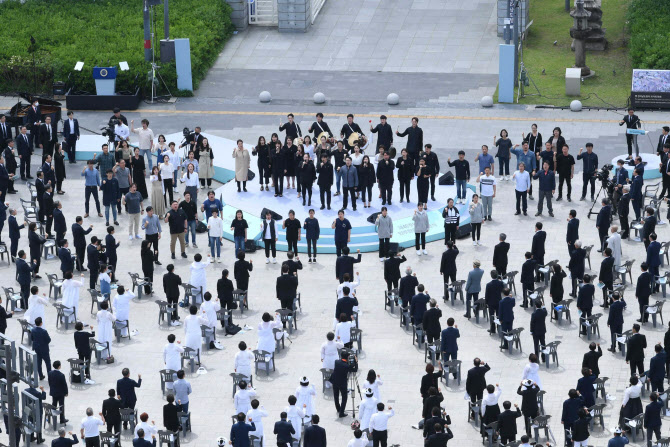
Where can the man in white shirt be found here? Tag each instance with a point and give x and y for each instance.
(209, 309)
(121, 132)
(90, 431)
(522, 178)
(347, 283)
(146, 140)
(172, 356)
(379, 425)
(149, 429)
(122, 307)
(487, 188)
(360, 439)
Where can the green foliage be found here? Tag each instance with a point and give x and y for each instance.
(102, 33)
(650, 34)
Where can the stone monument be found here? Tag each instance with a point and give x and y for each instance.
(579, 32)
(595, 40)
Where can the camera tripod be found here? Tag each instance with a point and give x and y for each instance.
(604, 186)
(353, 387)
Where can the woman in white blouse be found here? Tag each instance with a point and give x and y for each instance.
(632, 404)
(373, 382)
(167, 170)
(309, 147)
(357, 156)
(71, 289)
(329, 352)
(266, 337)
(532, 371)
(343, 330)
(490, 409)
(243, 360)
(190, 179)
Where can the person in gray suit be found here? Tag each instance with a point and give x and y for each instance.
(473, 286)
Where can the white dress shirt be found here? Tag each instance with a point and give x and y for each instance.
(379, 421)
(122, 305)
(243, 362)
(361, 442)
(631, 392)
(172, 356)
(209, 309)
(490, 399)
(90, 425)
(122, 132)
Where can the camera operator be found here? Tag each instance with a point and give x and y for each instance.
(121, 131)
(117, 117)
(589, 167)
(620, 179)
(192, 139)
(340, 381)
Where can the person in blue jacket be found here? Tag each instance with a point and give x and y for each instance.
(60, 226)
(312, 233)
(239, 432)
(449, 344)
(619, 439)
(66, 258)
(652, 418)
(636, 192)
(656, 373)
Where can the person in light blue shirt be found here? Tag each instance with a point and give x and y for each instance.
(485, 159)
(528, 158)
(182, 388)
(523, 184)
(91, 183)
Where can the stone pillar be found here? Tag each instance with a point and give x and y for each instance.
(294, 16)
(240, 14)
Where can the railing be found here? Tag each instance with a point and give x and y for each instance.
(263, 12)
(316, 8)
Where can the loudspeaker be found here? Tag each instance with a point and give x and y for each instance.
(250, 245)
(250, 175)
(373, 217)
(394, 248)
(447, 179)
(275, 216)
(463, 231)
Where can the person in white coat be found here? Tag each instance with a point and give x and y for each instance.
(199, 276)
(192, 329)
(209, 309)
(243, 397)
(105, 321)
(71, 290)
(373, 382)
(295, 415)
(329, 353)
(305, 394)
(367, 408)
(266, 337)
(532, 370)
(215, 227)
(36, 305)
(121, 306)
(343, 330)
(243, 361)
(614, 242)
(172, 357)
(256, 415)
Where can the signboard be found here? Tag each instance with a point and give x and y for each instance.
(650, 89)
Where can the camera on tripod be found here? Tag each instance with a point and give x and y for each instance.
(186, 132)
(352, 360)
(108, 130)
(603, 173)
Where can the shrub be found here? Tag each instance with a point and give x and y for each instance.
(102, 33)
(650, 34)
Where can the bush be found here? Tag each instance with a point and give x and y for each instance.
(102, 33)
(650, 34)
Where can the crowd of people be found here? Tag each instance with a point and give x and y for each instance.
(120, 174)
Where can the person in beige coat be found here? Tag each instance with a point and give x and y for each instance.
(242, 162)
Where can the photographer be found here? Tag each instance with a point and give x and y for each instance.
(121, 131)
(340, 381)
(589, 167)
(117, 117)
(192, 139)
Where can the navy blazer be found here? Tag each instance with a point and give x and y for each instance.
(66, 259)
(643, 288)
(537, 249)
(615, 317)
(81, 342)
(476, 380)
(22, 146)
(345, 264)
(24, 271)
(345, 305)
(576, 264)
(40, 395)
(649, 226)
(93, 257)
(407, 288)
(652, 414)
(239, 433)
(41, 340)
(141, 442)
(286, 287)
(493, 294)
(65, 442)
(506, 309)
(449, 340)
(79, 235)
(59, 221)
(4, 178)
(570, 409)
(314, 436)
(586, 390)
(340, 374)
(657, 367)
(125, 387)
(607, 269)
(636, 188)
(448, 261)
(110, 246)
(284, 431)
(67, 133)
(654, 254)
(603, 219)
(14, 228)
(537, 322)
(585, 296)
(528, 272)
(57, 383)
(418, 307)
(573, 230)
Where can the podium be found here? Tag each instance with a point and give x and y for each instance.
(105, 80)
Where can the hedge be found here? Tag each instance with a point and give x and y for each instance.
(102, 32)
(650, 34)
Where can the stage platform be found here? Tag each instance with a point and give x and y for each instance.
(650, 168)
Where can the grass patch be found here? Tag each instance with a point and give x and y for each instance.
(551, 23)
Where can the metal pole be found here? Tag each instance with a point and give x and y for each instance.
(166, 20)
(516, 42)
(147, 34)
(567, 5)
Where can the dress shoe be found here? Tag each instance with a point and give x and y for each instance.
(611, 349)
(183, 255)
(173, 256)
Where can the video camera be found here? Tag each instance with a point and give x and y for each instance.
(186, 132)
(108, 130)
(603, 173)
(352, 360)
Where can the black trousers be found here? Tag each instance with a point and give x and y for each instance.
(153, 239)
(50, 222)
(538, 340)
(208, 180)
(93, 278)
(122, 192)
(625, 226)
(307, 193)
(450, 233)
(278, 180)
(404, 189)
(521, 197)
(292, 245)
(59, 402)
(367, 189)
(387, 192)
(505, 439)
(567, 180)
(25, 293)
(47, 360)
(345, 201)
(263, 174)
(588, 178)
(476, 230)
(169, 191)
(93, 442)
(391, 284)
(379, 438)
(172, 301)
(339, 245)
(325, 196)
(432, 186)
(637, 364)
(527, 289)
(493, 312)
(629, 143)
(24, 167)
(609, 285)
(340, 405)
(88, 191)
(384, 247)
(14, 246)
(311, 246)
(420, 240)
(71, 149)
(270, 244)
(666, 185)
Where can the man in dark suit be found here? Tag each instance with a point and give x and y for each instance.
(537, 248)
(662, 139)
(286, 288)
(573, 231)
(507, 422)
(636, 193)
(407, 287)
(10, 163)
(493, 295)
(591, 358)
(62, 441)
(284, 431)
(603, 222)
(623, 208)
(79, 241)
(500, 254)
(606, 275)
(5, 129)
(418, 305)
(40, 395)
(345, 264)
(637, 343)
(4, 179)
(93, 261)
(392, 270)
(41, 340)
(656, 372)
(649, 226)
(643, 291)
(48, 137)
(615, 319)
(449, 341)
(632, 122)
(577, 265)
(652, 418)
(33, 121)
(340, 381)
(60, 226)
(71, 135)
(111, 412)
(171, 283)
(571, 407)
(538, 327)
(58, 390)
(293, 264)
(448, 263)
(506, 312)
(24, 271)
(528, 270)
(239, 432)
(141, 442)
(14, 232)
(314, 436)
(475, 384)
(528, 391)
(346, 304)
(24, 150)
(439, 438)
(385, 169)
(48, 203)
(125, 387)
(431, 322)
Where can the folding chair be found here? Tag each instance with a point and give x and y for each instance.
(264, 358)
(55, 286)
(237, 378)
(139, 283)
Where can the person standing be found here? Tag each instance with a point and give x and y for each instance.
(215, 229)
(449, 341)
(506, 313)
(123, 176)
(547, 180)
(565, 167)
(589, 167)
(25, 151)
(451, 218)
(58, 390)
(433, 167)
(242, 163)
(500, 254)
(384, 229)
(239, 228)
(379, 425)
(385, 137)
(487, 189)
(636, 194)
(623, 208)
(405, 166)
(349, 176)
(504, 145)
(190, 207)
(521, 188)
(477, 216)
(631, 121)
(421, 227)
(307, 174)
(312, 232)
(133, 200)
(151, 225)
(146, 140)
(448, 267)
(492, 296)
(269, 236)
(41, 339)
(414, 139)
(91, 185)
(654, 259)
(325, 180)
(176, 218)
(572, 234)
(71, 136)
(603, 222)
(527, 157)
(423, 177)
(577, 267)
(90, 432)
(292, 231)
(171, 283)
(462, 168)
(538, 327)
(292, 128)
(473, 286)
(111, 196)
(339, 380)
(615, 319)
(475, 384)
(342, 229)
(385, 170)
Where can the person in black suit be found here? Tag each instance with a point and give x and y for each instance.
(171, 283)
(93, 261)
(284, 431)
(573, 231)
(48, 137)
(665, 169)
(656, 373)
(35, 242)
(507, 422)
(652, 418)
(585, 300)
(10, 163)
(615, 319)
(591, 358)
(475, 384)
(635, 352)
(407, 287)
(439, 438)
(41, 340)
(528, 391)
(663, 139)
(632, 122)
(346, 304)
(538, 327)
(537, 248)
(448, 266)
(79, 241)
(58, 390)
(431, 322)
(3, 320)
(649, 226)
(314, 436)
(33, 122)
(385, 137)
(60, 226)
(623, 208)
(83, 347)
(385, 180)
(603, 222)
(345, 264)
(571, 408)
(141, 442)
(528, 277)
(500, 255)
(125, 387)
(62, 441)
(71, 135)
(40, 395)
(392, 270)
(606, 275)
(14, 232)
(48, 203)
(111, 413)
(5, 129)
(643, 291)
(493, 295)
(4, 179)
(24, 271)
(25, 150)
(286, 288)
(340, 381)
(576, 265)
(239, 432)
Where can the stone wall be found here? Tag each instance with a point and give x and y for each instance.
(240, 14)
(294, 16)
